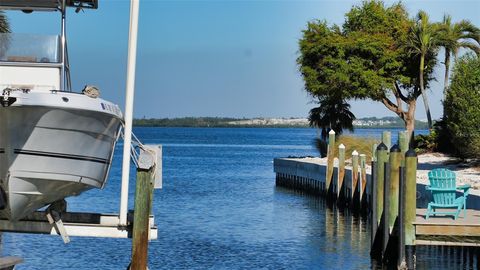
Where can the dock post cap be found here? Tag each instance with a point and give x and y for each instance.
(381, 146)
(395, 148)
(354, 153)
(341, 146)
(411, 153)
(331, 132)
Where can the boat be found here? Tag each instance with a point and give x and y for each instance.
(54, 143)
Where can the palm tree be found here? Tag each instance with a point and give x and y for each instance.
(421, 42)
(332, 113)
(452, 37)
(4, 26)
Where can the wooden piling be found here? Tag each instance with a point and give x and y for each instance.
(378, 220)
(408, 207)
(403, 144)
(341, 169)
(401, 263)
(385, 227)
(387, 139)
(395, 160)
(354, 174)
(363, 178)
(371, 185)
(143, 197)
(382, 158)
(373, 200)
(330, 158)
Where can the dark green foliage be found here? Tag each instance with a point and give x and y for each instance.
(453, 36)
(4, 28)
(184, 122)
(207, 122)
(332, 113)
(4, 25)
(367, 59)
(443, 137)
(462, 107)
(322, 146)
(426, 143)
(229, 122)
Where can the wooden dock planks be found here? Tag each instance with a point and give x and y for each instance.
(447, 226)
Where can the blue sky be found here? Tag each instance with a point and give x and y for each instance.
(212, 58)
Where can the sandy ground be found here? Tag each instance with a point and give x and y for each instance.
(467, 172)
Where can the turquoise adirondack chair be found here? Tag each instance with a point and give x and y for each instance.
(443, 188)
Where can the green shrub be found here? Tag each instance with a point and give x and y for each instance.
(462, 107)
(426, 143)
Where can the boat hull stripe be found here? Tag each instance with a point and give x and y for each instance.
(60, 155)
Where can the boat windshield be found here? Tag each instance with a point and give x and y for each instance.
(29, 48)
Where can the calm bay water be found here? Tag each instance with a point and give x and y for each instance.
(219, 209)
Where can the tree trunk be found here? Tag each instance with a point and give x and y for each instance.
(409, 120)
(424, 96)
(447, 67)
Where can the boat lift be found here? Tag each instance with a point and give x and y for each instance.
(55, 220)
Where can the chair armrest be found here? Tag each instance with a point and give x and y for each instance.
(440, 189)
(464, 187)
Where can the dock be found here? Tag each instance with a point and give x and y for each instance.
(446, 231)
(387, 194)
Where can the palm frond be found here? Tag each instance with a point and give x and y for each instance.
(4, 25)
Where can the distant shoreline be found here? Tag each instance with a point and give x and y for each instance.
(224, 122)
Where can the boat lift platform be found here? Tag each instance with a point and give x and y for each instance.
(55, 220)
(77, 224)
(8, 263)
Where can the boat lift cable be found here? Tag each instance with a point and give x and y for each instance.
(135, 147)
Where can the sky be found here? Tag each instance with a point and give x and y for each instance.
(213, 58)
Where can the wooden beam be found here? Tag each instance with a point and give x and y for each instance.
(76, 224)
(419, 242)
(7, 263)
(442, 229)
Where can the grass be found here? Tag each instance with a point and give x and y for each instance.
(361, 144)
(352, 143)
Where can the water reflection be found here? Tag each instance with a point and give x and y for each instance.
(342, 239)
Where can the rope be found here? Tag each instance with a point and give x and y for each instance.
(137, 144)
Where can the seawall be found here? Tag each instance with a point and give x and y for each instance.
(310, 176)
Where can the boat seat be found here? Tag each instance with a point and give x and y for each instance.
(14, 58)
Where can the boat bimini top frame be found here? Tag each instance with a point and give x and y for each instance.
(47, 5)
(29, 6)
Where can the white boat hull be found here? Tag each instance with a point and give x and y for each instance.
(49, 151)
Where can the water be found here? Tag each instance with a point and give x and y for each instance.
(219, 209)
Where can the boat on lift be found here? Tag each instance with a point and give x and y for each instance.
(54, 142)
